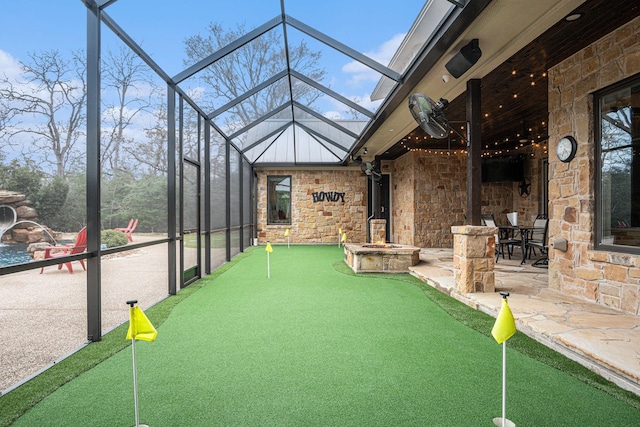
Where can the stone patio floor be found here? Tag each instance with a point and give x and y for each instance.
(603, 339)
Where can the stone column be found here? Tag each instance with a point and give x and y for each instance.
(378, 230)
(473, 258)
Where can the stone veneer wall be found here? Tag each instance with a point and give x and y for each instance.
(429, 196)
(317, 222)
(440, 200)
(611, 279)
(529, 207)
(402, 200)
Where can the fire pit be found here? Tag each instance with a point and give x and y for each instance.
(380, 257)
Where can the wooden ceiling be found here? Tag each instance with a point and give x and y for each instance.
(514, 95)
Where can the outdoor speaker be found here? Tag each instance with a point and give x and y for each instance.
(468, 55)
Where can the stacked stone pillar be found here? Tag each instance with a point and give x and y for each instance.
(378, 230)
(473, 258)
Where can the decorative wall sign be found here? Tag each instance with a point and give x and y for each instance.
(327, 196)
(524, 188)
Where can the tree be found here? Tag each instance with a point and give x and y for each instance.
(74, 214)
(247, 67)
(129, 78)
(113, 190)
(23, 179)
(146, 199)
(6, 116)
(52, 92)
(152, 153)
(47, 196)
(51, 198)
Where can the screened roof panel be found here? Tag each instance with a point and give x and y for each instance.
(259, 130)
(167, 24)
(280, 149)
(233, 74)
(315, 65)
(330, 104)
(358, 79)
(426, 26)
(313, 149)
(246, 111)
(341, 132)
(254, 153)
(295, 145)
(372, 28)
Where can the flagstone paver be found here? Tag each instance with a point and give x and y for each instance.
(601, 338)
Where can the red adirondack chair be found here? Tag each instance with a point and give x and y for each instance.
(79, 246)
(128, 230)
(123, 229)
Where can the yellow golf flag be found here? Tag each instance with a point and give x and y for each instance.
(140, 328)
(344, 237)
(269, 248)
(286, 233)
(505, 325)
(340, 231)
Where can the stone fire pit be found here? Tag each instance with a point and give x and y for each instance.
(380, 258)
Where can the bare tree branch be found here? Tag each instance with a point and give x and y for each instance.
(128, 77)
(50, 98)
(153, 152)
(247, 67)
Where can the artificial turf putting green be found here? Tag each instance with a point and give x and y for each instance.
(315, 346)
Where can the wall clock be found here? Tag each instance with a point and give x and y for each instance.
(566, 148)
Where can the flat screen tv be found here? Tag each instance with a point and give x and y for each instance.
(502, 169)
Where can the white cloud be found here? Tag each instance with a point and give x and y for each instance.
(360, 73)
(10, 66)
(336, 110)
(333, 115)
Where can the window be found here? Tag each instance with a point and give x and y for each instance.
(278, 200)
(618, 166)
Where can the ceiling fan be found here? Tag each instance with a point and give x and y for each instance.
(430, 114)
(371, 170)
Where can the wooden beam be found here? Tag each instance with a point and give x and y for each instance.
(474, 152)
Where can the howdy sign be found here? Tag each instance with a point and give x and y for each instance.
(327, 196)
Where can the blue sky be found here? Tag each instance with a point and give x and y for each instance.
(371, 27)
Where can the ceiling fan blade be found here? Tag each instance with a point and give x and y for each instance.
(429, 114)
(435, 129)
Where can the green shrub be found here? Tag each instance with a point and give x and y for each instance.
(113, 238)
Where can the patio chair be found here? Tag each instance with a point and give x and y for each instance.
(538, 236)
(125, 228)
(128, 230)
(501, 241)
(79, 246)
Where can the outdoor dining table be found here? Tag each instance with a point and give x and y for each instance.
(524, 232)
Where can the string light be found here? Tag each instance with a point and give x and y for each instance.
(526, 142)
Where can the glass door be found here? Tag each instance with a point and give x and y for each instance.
(385, 202)
(191, 246)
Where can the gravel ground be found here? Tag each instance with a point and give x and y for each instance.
(43, 316)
